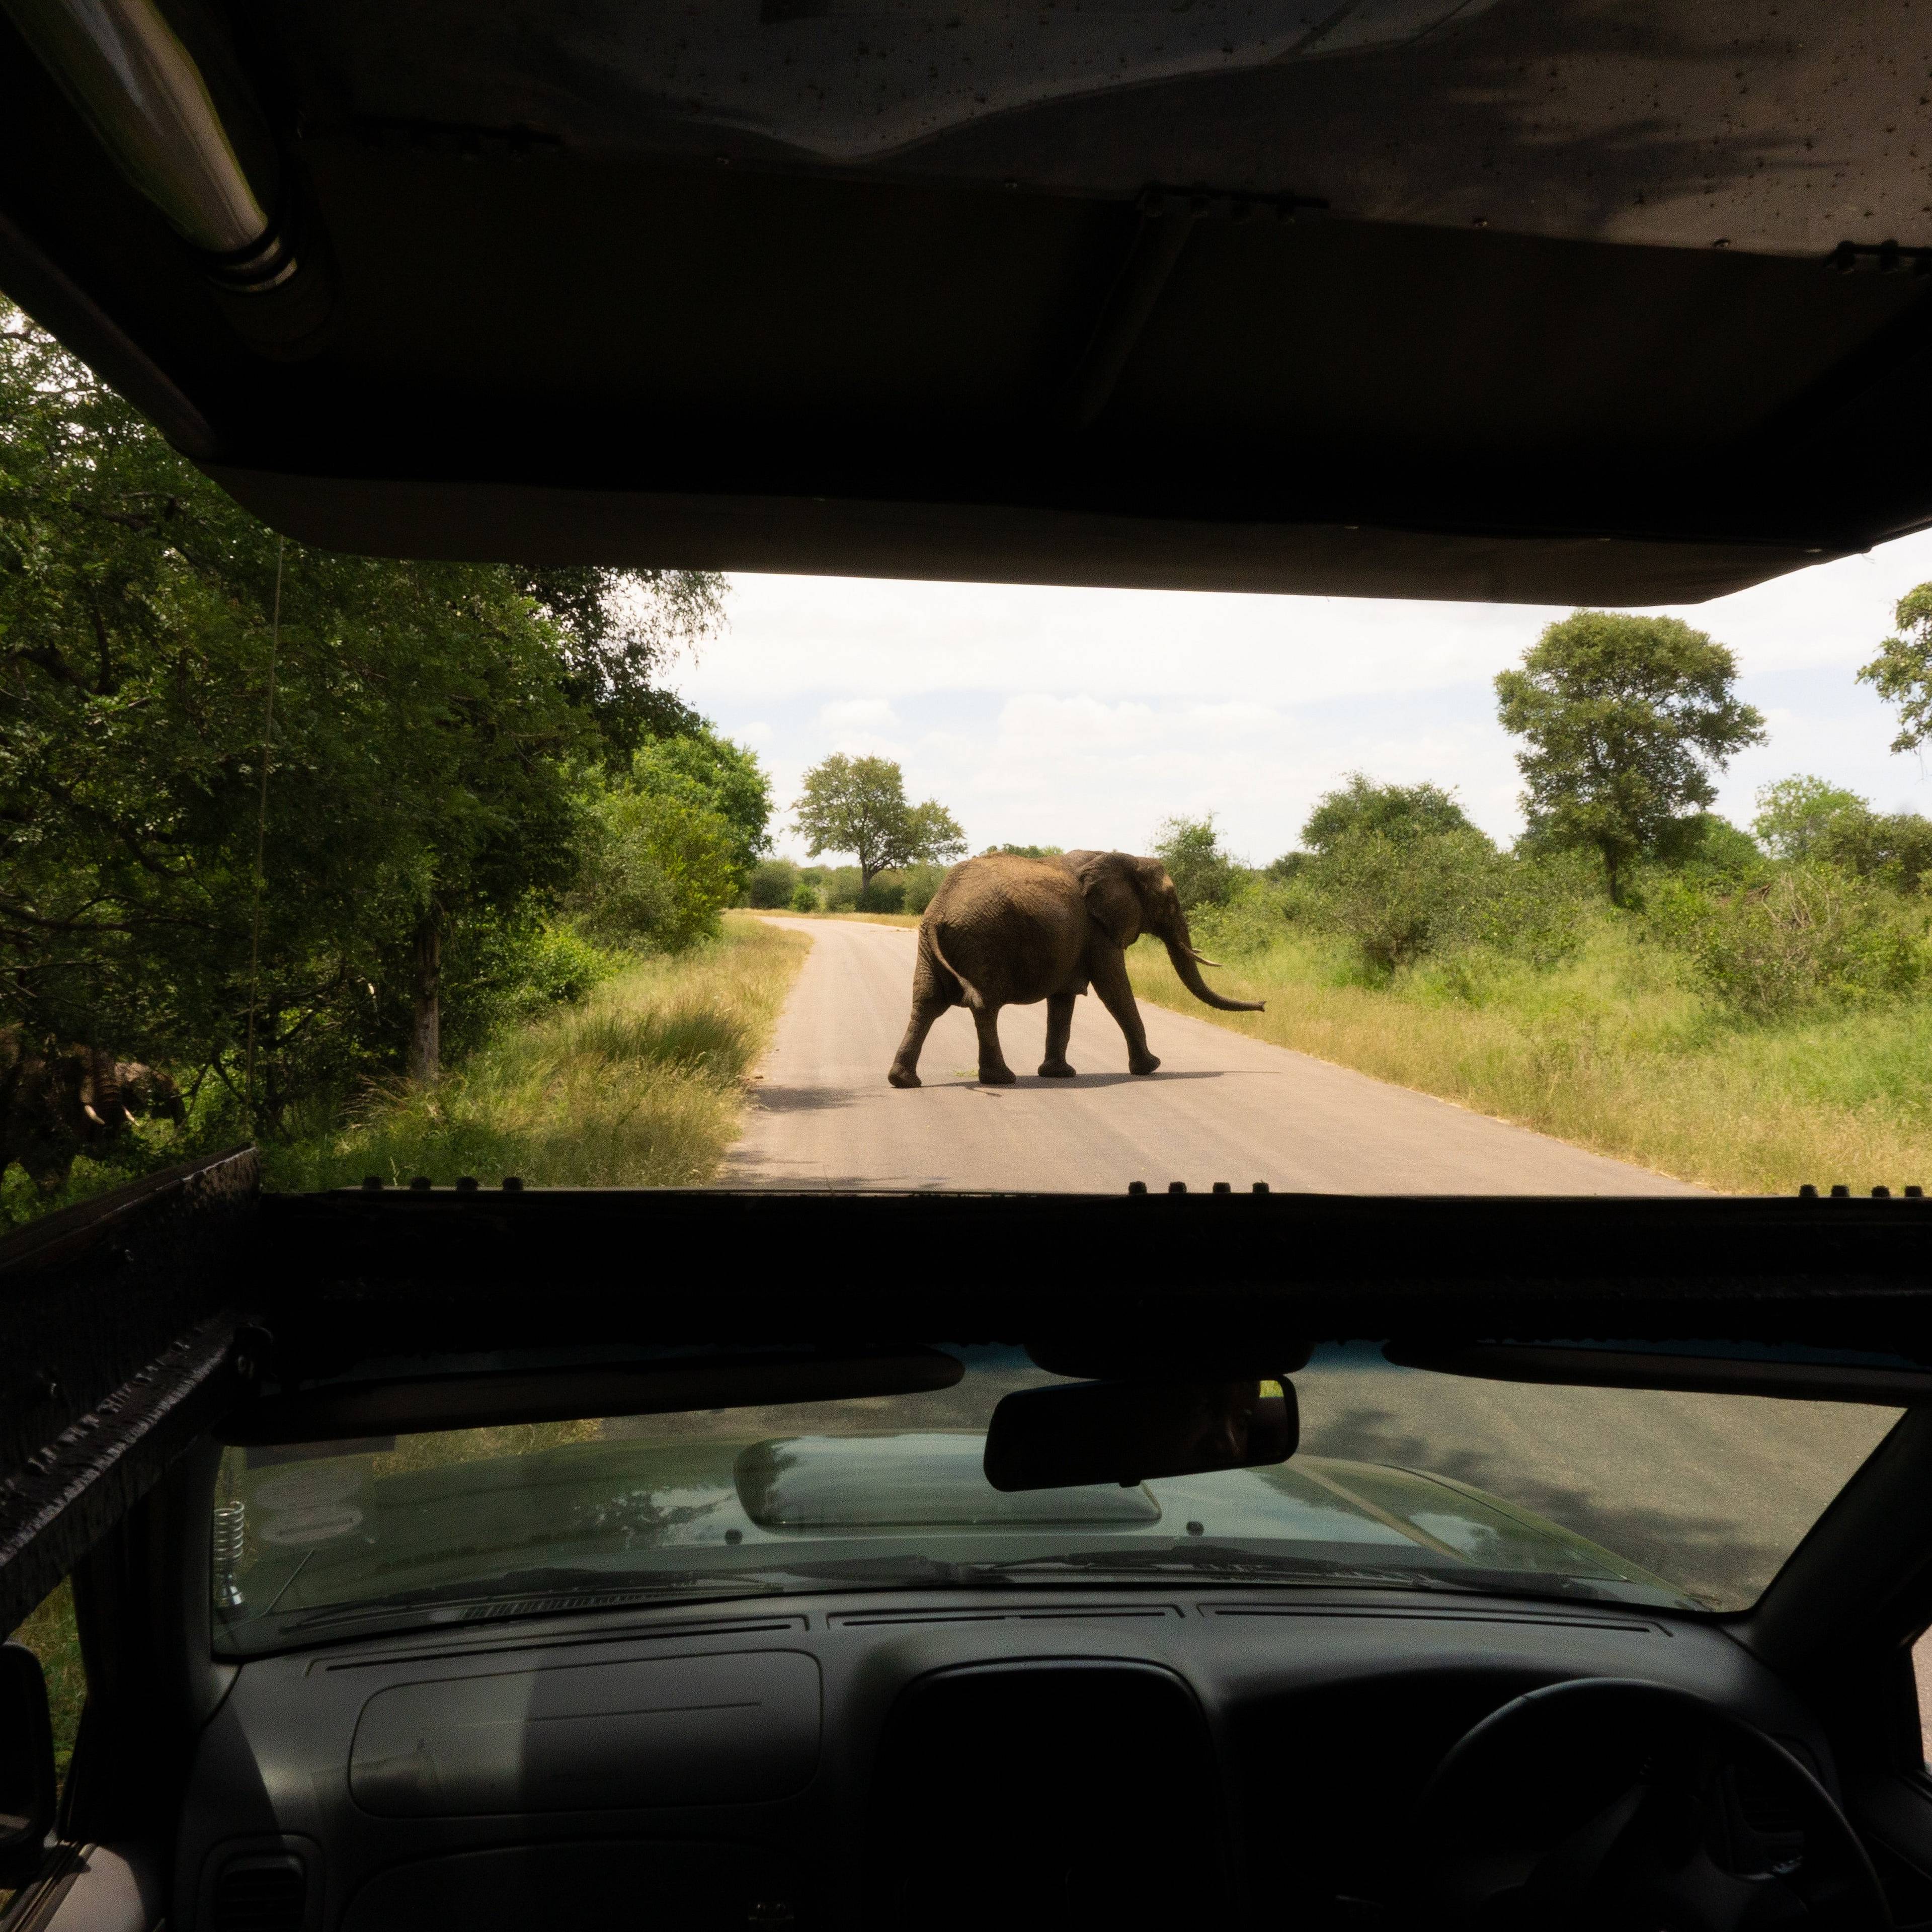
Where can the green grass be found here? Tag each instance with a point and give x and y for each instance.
(1617, 1049)
(48, 1632)
(642, 1085)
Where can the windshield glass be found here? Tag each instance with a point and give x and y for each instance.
(1405, 1479)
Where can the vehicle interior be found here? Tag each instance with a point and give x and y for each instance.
(1137, 1559)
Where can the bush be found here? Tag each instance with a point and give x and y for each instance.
(805, 897)
(841, 888)
(1398, 897)
(773, 883)
(1203, 873)
(883, 895)
(921, 883)
(656, 871)
(1361, 805)
(1815, 935)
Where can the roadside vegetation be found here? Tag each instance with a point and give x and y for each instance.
(1749, 1009)
(638, 1085)
(320, 851)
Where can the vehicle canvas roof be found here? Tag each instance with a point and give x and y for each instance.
(1502, 300)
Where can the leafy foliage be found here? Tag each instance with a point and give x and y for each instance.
(1360, 805)
(859, 806)
(773, 883)
(659, 867)
(1901, 673)
(429, 725)
(618, 630)
(718, 776)
(1625, 718)
(1813, 935)
(1203, 873)
(1796, 815)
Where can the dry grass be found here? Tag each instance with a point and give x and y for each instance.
(1614, 1051)
(641, 1086)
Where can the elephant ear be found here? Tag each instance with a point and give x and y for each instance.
(1107, 881)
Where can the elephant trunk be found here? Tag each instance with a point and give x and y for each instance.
(1184, 958)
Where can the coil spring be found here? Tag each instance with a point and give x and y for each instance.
(231, 1533)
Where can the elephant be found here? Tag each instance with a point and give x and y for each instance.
(57, 1101)
(1004, 930)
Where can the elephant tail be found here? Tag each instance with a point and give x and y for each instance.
(969, 993)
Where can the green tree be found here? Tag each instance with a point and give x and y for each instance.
(422, 813)
(618, 630)
(1796, 815)
(859, 806)
(657, 868)
(1400, 812)
(1625, 718)
(718, 775)
(1203, 873)
(1028, 851)
(1902, 672)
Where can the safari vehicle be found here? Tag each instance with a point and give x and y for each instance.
(1166, 1558)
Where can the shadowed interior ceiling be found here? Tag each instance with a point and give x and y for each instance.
(1571, 301)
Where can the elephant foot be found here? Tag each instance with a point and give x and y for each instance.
(903, 1076)
(1145, 1065)
(996, 1076)
(1055, 1070)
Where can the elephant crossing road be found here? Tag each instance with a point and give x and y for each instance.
(1222, 1107)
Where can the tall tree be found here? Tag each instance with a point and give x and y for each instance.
(1902, 672)
(1626, 718)
(422, 801)
(859, 806)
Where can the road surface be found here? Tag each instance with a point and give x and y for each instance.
(1222, 1107)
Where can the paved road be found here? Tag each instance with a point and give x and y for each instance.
(1221, 1107)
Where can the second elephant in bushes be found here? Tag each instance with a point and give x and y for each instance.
(1003, 931)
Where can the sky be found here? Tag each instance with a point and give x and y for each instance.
(1085, 717)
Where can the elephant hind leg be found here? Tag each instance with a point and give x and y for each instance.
(903, 1071)
(934, 988)
(994, 1071)
(1059, 1025)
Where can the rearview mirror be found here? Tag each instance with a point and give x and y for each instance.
(1082, 1432)
(27, 1789)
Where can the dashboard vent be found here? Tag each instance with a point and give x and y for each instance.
(261, 1894)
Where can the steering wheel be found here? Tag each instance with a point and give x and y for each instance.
(1617, 1805)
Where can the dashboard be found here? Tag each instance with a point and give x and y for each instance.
(915, 1758)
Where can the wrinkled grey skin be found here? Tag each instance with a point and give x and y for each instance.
(1002, 930)
(58, 1101)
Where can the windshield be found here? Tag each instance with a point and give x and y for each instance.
(1405, 1479)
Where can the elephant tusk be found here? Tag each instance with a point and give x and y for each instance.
(1201, 959)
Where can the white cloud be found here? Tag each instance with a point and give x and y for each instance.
(1084, 717)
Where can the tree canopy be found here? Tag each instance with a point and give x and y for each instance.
(1360, 804)
(1902, 672)
(1625, 719)
(1202, 871)
(423, 803)
(859, 806)
(1797, 815)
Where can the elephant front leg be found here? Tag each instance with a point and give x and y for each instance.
(994, 1071)
(1059, 1025)
(1117, 995)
